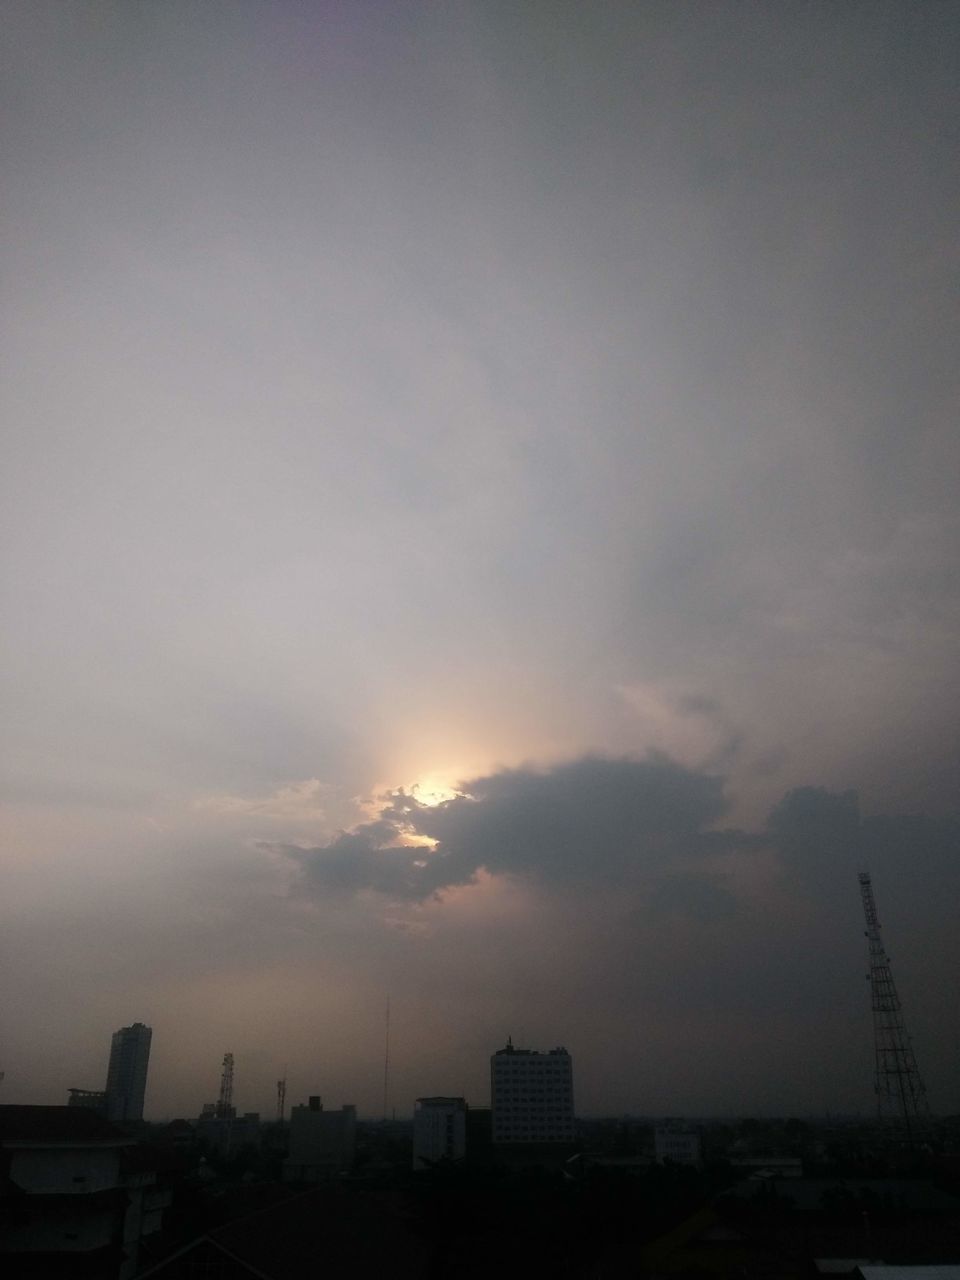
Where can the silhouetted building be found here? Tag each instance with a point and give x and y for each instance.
(228, 1133)
(322, 1143)
(178, 1135)
(770, 1166)
(127, 1072)
(677, 1146)
(92, 1099)
(479, 1135)
(77, 1194)
(532, 1095)
(439, 1131)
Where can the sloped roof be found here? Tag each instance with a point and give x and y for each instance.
(901, 1195)
(944, 1272)
(333, 1231)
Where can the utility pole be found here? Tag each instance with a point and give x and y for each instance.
(901, 1095)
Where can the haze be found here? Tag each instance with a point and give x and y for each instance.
(480, 526)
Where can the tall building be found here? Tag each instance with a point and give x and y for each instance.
(532, 1095)
(127, 1072)
(439, 1131)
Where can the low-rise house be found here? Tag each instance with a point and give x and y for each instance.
(78, 1195)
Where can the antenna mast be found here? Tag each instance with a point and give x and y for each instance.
(281, 1096)
(386, 1064)
(225, 1104)
(901, 1095)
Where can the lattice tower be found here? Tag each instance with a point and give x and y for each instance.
(281, 1098)
(225, 1105)
(901, 1095)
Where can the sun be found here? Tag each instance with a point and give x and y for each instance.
(432, 790)
(429, 790)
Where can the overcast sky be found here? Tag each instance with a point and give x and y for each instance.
(479, 526)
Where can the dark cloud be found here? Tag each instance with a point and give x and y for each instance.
(817, 836)
(366, 858)
(821, 840)
(597, 823)
(631, 858)
(701, 895)
(593, 822)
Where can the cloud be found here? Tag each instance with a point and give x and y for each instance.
(644, 841)
(816, 833)
(305, 799)
(685, 725)
(701, 895)
(820, 841)
(653, 827)
(592, 822)
(301, 475)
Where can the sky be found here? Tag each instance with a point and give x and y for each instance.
(479, 529)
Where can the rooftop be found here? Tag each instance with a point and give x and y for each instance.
(535, 1053)
(57, 1124)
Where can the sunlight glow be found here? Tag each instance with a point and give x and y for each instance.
(432, 790)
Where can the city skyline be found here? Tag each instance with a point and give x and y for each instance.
(122, 1099)
(480, 529)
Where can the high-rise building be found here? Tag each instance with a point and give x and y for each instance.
(439, 1131)
(532, 1095)
(127, 1072)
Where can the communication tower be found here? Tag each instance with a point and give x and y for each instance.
(281, 1098)
(901, 1095)
(225, 1104)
